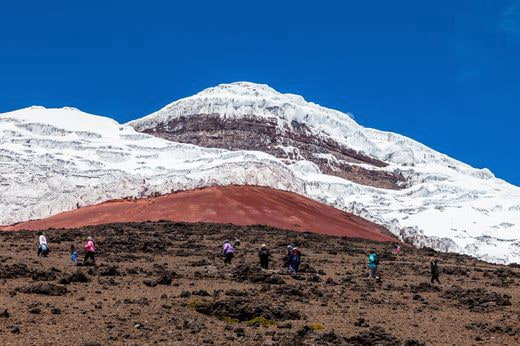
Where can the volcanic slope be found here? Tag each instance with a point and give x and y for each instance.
(239, 205)
(165, 283)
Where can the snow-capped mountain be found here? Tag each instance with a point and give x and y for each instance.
(422, 195)
(53, 160)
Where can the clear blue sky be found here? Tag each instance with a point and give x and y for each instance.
(446, 73)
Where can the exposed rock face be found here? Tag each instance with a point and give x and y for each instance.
(291, 144)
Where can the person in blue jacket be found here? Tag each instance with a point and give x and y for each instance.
(73, 253)
(373, 262)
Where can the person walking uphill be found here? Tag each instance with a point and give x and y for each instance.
(287, 258)
(295, 260)
(90, 248)
(373, 262)
(228, 252)
(73, 254)
(434, 269)
(264, 255)
(43, 247)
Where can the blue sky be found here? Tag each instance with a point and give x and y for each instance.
(446, 73)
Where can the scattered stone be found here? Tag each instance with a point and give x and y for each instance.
(44, 289)
(150, 283)
(109, 271)
(477, 299)
(77, 276)
(35, 311)
(361, 322)
(244, 310)
(44, 276)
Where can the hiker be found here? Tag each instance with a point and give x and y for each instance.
(73, 253)
(289, 250)
(373, 262)
(434, 269)
(90, 248)
(228, 252)
(287, 257)
(264, 255)
(294, 260)
(398, 250)
(236, 244)
(43, 247)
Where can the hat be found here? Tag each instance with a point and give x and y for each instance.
(263, 245)
(295, 248)
(226, 241)
(89, 238)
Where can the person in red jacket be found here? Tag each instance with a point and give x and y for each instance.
(90, 249)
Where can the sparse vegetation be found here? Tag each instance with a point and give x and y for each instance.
(260, 320)
(230, 320)
(315, 326)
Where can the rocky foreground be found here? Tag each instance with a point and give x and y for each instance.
(165, 283)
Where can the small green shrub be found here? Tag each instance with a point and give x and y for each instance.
(261, 321)
(194, 303)
(315, 326)
(230, 320)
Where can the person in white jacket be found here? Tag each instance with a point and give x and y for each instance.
(43, 247)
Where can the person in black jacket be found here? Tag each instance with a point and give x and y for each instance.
(434, 269)
(264, 255)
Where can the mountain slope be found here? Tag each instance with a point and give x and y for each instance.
(422, 195)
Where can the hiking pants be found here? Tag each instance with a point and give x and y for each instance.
(90, 255)
(228, 257)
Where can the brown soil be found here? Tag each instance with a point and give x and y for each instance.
(239, 205)
(165, 283)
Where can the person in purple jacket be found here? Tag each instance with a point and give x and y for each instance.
(228, 252)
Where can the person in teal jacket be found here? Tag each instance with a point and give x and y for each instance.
(373, 262)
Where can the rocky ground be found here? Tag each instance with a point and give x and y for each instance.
(165, 283)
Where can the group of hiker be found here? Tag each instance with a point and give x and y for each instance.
(291, 260)
(373, 263)
(90, 249)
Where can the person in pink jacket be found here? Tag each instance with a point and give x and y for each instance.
(90, 248)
